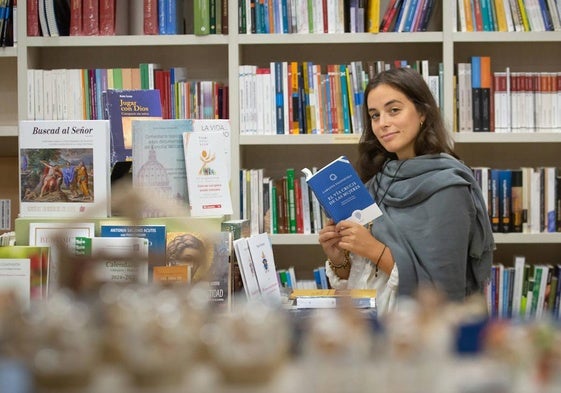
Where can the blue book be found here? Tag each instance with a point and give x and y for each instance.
(122, 106)
(410, 15)
(345, 99)
(341, 193)
(156, 235)
(505, 197)
(279, 97)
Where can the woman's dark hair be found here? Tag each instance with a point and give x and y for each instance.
(433, 137)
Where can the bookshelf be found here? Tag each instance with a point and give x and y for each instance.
(218, 57)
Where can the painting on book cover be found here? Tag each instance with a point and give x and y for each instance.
(57, 175)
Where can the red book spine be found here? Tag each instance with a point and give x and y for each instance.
(389, 15)
(33, 29)
(107, 17)
(151, 17)
(478, 16)
(75, 17)
(90, 17)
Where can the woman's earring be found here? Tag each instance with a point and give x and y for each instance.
(421, 123)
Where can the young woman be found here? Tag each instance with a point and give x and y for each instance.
(435, 230)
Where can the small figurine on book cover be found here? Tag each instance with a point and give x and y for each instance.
(64, 168)
(341, 193)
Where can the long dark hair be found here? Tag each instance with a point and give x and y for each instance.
(433, 137)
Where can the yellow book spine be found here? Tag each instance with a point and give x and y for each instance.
(469, 15)
(501, 15)
(524, 15)
(373, 16)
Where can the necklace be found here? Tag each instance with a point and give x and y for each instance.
(394, 178)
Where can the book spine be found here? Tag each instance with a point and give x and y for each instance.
(33, 26)
(75, 17)
(107, 17)
(90, 17)
(291, 203)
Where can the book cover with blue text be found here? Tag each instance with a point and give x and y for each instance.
(341, 193)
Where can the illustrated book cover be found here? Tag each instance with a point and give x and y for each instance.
(208, 255)
(341, 193)
(159, 163)
(118, 259)
(123, 106)
(60, 238)
(64, 168)
(208, 173)
(261, 252)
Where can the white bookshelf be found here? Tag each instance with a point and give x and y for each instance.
(218, 57)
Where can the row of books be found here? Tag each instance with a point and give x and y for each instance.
(64, 94)
(523, 200)
(123, 252)
(524, 291)
(50, 18)
(279, 205)
(328, 16)
(8, 25)
(509, 15)
(505, 101)
(66, 166)
(299, 98)
(408, 15)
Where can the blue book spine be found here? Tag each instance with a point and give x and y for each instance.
(279, 97)
(400, 15)
(171, 17)
(410, 15)
(317, 278)
(284, 16)
(162, 7)
(546, 16)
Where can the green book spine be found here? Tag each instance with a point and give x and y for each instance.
(202, 17)
(118, 78)
(291, 200)
(87, 101)
(274, 212)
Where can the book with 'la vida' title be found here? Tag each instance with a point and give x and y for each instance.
(341, 193)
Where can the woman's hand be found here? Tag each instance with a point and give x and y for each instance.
(329, 239)
(356, 238)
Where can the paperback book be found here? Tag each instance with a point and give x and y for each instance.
(32, 262)
(261, 252)
(64, 168)
(207, 173)
(208, 256)
(60, 238)
(156, 235)
(123, 106)
(117, 259)
(341, 193)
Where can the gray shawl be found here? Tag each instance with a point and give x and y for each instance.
(435, 223)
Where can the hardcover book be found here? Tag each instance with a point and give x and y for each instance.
(341, 193)
(64, 168)
(123, 106)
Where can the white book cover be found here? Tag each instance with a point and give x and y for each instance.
(247, 269)
(118, 259)
(15, 277)
(264, 263)
(159, 164)
(60, 237)
(64, 168)
(207, 174)
(519, 263)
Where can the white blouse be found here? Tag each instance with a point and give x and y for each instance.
(363, 276)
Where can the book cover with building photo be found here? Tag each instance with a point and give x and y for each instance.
(64, 168)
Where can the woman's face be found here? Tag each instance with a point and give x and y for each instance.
(395, 120)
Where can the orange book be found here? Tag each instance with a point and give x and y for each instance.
(172, 274)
